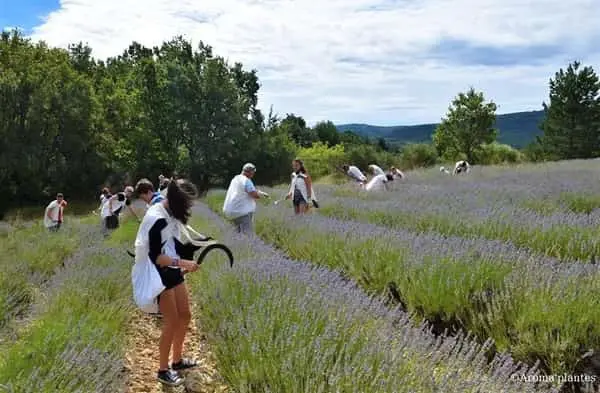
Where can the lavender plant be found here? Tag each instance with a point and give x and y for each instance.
(454, 282)
(75, 340)
(284, 326)
(30, 256)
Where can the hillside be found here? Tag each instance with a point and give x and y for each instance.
(515, 129)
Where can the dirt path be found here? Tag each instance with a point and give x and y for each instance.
(141, 359)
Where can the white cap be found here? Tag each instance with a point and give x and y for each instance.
(249, 167)
(129, 189)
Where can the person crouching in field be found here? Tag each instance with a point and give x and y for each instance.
(355, 173)
(461, 167)
(396, 173)
(379, 183)
(53, 216)
(301, 189)
(376, 170)
(157, 240)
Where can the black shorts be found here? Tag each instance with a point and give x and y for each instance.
(298, 198)
(112, 222)
(170, 277)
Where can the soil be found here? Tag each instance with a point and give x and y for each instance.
(141, 359)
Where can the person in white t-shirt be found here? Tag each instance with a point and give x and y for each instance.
(396, 173)
(113, 206)
(379, 183)
(461, 167)
(376, 170)
(53, 216)
(163, 183)
(355, 173)
(240, 201)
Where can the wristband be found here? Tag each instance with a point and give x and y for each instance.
(174, 261)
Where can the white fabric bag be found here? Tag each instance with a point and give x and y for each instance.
(145, 279)
(147, 285)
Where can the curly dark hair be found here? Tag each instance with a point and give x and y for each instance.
(180, 196)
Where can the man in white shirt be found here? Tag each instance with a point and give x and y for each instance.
(240, 201)
(379, 183)
(376, 170)
(53, 216)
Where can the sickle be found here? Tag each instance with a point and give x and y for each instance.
(205, 251)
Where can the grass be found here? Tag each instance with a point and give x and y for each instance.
(74, 340)
(575, 202)
(74, 209)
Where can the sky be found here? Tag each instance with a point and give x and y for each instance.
(382, 62)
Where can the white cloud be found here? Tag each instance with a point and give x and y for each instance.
(299, 47)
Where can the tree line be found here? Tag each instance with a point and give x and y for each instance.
(570, 129)
(73, 123)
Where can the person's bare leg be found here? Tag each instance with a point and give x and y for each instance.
(168, 309)
(302, 208)
(184, 317)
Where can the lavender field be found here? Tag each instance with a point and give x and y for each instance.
(508, 255)
(483, 283)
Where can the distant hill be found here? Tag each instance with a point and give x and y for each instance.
(515, 129)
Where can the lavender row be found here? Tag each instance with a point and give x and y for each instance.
(563, 235)
(492, 289)
(450, 364)
(74, 342)
(433, 244)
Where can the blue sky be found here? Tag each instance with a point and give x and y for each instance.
(25, 14)
(384, 62)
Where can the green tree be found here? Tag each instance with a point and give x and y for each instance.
(416, 155)
(572, 124)
(295, 127)
(468, 124)
(327, 133)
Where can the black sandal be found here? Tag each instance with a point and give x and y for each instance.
(184, 364)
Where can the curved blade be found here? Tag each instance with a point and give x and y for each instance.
(215, 246)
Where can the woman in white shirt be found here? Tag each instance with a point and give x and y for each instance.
(301, 190)
(157, 241)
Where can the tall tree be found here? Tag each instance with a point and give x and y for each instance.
(295, 127)
(468, 124)
(327, 133)
(572, 124)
